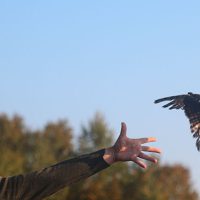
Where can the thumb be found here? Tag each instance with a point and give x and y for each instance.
(123, 129)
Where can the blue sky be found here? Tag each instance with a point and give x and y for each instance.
(69, 59)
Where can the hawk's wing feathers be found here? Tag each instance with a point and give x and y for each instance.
(190, 103)
(176, 102)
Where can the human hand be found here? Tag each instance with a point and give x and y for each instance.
(127, 149)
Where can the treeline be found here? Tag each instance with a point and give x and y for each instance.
(23, 150)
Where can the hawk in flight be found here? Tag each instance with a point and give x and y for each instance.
(190, 103)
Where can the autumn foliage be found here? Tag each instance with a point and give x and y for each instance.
(23, 150)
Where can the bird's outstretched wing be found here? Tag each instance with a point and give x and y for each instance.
(190, 103)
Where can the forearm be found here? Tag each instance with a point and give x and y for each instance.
(40, 184)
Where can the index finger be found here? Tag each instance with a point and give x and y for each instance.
(146, 140)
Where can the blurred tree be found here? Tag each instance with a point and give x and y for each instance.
(96, 136)
(161, 183)
(11, 149)
(53, 144)
(23, 150)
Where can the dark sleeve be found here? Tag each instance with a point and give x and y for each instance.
(43, 183)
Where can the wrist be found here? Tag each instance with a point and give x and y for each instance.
(109, 155)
